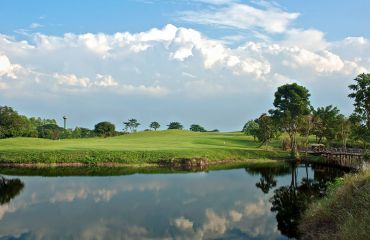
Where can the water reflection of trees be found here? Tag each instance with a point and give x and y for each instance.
(289, 202)
(9, 188)
(267, 180)
(266, 183)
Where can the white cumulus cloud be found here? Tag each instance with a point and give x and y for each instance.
(172, 64)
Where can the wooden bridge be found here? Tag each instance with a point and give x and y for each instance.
(349, 157)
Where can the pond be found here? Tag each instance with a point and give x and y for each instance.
(247, 202)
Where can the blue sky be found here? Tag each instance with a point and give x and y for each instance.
(337, 18)
(216, 63)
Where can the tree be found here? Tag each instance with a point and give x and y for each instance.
(67, 133)
(344, 130)
(76, 133)
(36, 122)
(197, 128)
(131, 124)
(291, 104)
(327, 123)
(251, 128)
(266, 130)
(359, 131)
(361, 115)
(12, 124)
(80, 132)
(154, 125)
(175, 125)
(50, 131)
(105, 129)
(86, 133)
(306, 128)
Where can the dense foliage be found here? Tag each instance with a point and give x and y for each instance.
(197, 128)
(175, 125)
(12, 124)
(327, 122)
(266, 129)
(105, 129)
(251, 128)
(51, 131)
(361, 115)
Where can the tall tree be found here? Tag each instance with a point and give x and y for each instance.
(327, 123)
(131, 124)
(291, 104)
(154, 125)
(361, 115)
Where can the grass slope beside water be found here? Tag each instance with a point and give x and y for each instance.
(142, 147)
(343, 214)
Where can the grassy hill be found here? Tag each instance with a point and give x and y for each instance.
(141, 147)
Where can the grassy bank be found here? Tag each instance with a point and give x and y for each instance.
(344, 213)
(137, 148)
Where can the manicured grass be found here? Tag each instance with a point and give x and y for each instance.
(344, 213)
(141, 147)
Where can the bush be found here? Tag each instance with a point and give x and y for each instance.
(367, 155)
(175, 125)
(197, 128)
(50, 131)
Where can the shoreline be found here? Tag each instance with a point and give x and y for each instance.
(161, 164)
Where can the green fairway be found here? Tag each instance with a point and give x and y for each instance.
(141, 147)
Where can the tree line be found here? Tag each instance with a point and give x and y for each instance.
(293, 115)
(12, 124)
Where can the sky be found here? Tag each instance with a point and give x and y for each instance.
(216, 63)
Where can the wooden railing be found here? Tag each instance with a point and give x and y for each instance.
(357, 151)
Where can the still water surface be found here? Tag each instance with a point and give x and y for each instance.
(245, 203)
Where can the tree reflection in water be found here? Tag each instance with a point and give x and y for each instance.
(267, 180)
(289, 202)
(266, 183)
(9, 188)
